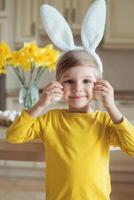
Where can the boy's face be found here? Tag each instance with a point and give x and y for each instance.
(78, 83)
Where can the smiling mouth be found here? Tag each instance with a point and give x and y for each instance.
(76, 97)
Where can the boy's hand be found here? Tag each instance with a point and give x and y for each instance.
(51, 90)
(105, 90)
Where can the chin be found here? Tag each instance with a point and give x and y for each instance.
(83, 108)
(79, 105)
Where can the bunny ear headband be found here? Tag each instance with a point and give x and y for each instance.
(92, 29)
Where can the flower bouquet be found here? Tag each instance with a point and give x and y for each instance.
(32, 60)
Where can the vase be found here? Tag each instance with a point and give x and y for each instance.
(28, 96)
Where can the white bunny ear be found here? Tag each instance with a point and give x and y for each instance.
(57, 28)
(93, 25)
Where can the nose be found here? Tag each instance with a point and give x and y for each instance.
(77, 87)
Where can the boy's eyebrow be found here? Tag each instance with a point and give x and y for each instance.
(87, 76)
(67, 76)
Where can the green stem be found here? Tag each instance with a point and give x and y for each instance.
(28, 98)
(31, 75)
(17, 72)
(29, 84)
(37, 74)
(23, 76)
(40, 72)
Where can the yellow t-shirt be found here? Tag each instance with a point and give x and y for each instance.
(76, 150)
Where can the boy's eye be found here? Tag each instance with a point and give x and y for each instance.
(87, 81)
(68, 81)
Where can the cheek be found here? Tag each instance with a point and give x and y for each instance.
(90, 90)
(66, 92)
(66, 88)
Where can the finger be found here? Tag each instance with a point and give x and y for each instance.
(102, 93)
(56, 84)
(53, 86)
(54, 90)
(101, 88)
(103, 82)
(98, 87)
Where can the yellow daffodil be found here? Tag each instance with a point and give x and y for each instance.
(25, 63)
(19, 59)
(29, 58)
(16, 58)
(47, 57)
(30, 49)
(2, 66)
(5, 54)
(5, 51)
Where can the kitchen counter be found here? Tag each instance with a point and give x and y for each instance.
(31, 151)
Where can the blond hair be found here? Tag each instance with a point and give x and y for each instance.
(76, 58)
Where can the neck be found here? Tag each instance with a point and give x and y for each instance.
(84, 109)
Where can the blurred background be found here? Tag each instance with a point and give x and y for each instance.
(22, 167)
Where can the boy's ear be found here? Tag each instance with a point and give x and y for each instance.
(93, 25)
(57, 28)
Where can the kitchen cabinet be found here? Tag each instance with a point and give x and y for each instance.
(119, 33)
(27, 26)
(3, 19)
(122, 175)
(25, 21)
(3, 29)
(31, 151)
(78, 11)
(3, 8)
(28, 23)
(73, 11)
